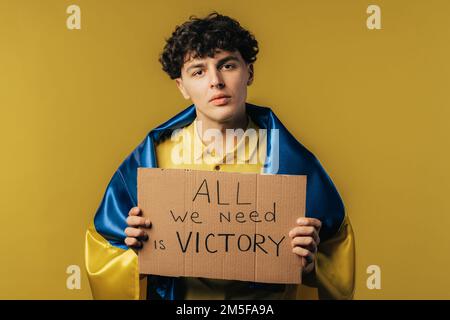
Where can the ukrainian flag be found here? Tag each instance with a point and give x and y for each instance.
(113, 268)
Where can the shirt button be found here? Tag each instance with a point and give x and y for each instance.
(217, 167)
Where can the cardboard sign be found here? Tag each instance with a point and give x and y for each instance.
(220, 225)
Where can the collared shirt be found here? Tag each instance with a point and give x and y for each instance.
(186, 150)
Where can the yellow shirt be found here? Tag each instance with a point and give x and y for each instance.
(186, 150)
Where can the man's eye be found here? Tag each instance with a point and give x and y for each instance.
(198, 73)
(228, 66)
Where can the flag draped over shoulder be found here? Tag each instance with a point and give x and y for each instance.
(113, 268)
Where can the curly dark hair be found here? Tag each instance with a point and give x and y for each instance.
(202, 37)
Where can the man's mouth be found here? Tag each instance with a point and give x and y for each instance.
(221, 100)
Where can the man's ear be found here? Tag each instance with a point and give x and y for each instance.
(182, 89)
(251, 73)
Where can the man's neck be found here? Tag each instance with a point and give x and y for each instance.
(239, 122)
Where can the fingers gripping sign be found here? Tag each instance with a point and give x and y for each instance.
(305, 241)
(134, 232)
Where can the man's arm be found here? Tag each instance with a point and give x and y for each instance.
(111, 266)
(330, 266)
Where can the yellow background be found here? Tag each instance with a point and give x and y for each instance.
(373, 105)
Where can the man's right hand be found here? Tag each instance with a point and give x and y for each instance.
(136, 236)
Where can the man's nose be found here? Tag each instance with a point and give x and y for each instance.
(216, 80)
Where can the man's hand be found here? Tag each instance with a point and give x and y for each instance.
(136, 236)
(305, 241)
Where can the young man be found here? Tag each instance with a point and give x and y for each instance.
(211, 61)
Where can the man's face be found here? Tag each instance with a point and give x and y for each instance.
(225, 76)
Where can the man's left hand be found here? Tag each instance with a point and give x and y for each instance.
(305, 241)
